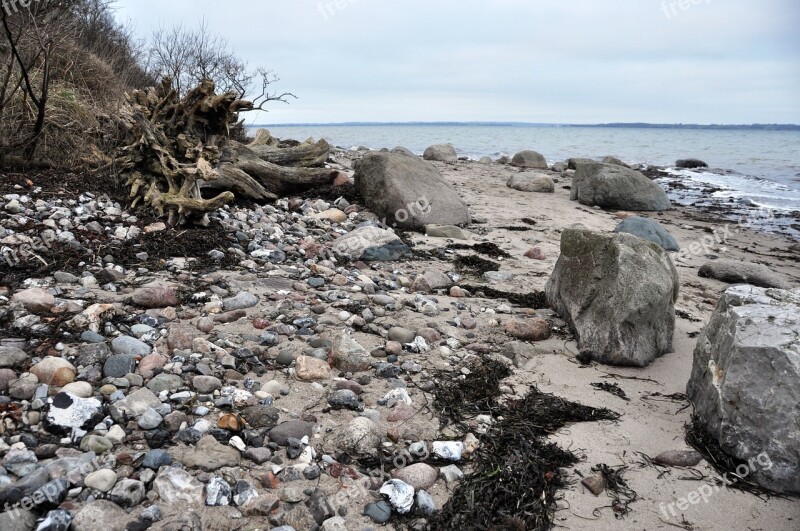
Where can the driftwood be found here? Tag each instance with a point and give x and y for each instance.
(175, 148)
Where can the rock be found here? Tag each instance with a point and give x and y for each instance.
(218, 492)
(379, 512)
(531, 182)
(6, 377)
(96, 443)
(133, 405)
(401, 335)
(595, 483)
(210, 455)
(93, 354)
(745, 382)
(55, 520)
(308, 369)
(206, 384)
(12, 357)
(175, 484)
(498, 276)
(118, 365)
(56, 372)
(400, 150)
(21, 520)
(241, 301)
(734, 272)
(20, 462)
(181, 336)
(690, 164)
(617, 293)
(451, 474)
(130, 346)
(615, 161)
(649, 230)
(448, 450)
(295, 429)
(100, 514)
(79, 389)
(446, 231)
(441, 153)
(35, 300)
(150, 420)
(349, 356)
(418, 475)
(529, 159)
(150, 363)
(359, 437)
(243, 492)
(536, 253)
(102, 480)
(429, 281)
(535, 329)
(371, 244)
(408, 192)
(165, 382)
(485, 160)
(261, 416)
(684, 458)
(344, 398)
(127, 493)
(337, 523)
(334, 215)
(425, 504)
(615, 187)
(155, 459)
(155, 297)
(400, 495)
(68, 412)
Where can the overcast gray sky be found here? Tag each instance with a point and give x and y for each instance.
(567, 61)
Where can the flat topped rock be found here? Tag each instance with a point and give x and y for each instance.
(734, 272)
(745, 382)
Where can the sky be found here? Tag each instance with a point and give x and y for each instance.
(543, 61)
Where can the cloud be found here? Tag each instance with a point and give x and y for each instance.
(721, 61)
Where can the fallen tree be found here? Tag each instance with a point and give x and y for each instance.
(173, 148)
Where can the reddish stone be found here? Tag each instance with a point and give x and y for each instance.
(536, 254)
(536, 329)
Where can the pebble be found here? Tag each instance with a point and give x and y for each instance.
(102, 480)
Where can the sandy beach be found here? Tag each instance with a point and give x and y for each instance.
(302, 389)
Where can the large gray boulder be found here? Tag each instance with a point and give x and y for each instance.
(616, 187)
(734, 272)
(650, 230)
(407, 192)
(529, 159)
(745, 383)
(617, 293)
(441, 153)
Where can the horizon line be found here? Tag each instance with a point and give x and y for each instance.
(539, 124)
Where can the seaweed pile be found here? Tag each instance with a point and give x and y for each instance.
(515, 475)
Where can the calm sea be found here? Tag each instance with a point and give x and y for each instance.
(748, 165)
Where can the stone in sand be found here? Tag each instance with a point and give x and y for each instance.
(371, 244)
(617, 293)
(610, 186)
(745, 382)
(734, 272)
(531, 182)
(441, 153)
(408, 192)
(650, 230)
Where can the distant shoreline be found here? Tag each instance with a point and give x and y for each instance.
(631, 125)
